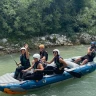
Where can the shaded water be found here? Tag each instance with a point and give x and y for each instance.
(84, 86)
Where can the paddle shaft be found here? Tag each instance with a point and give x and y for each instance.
(12, 58)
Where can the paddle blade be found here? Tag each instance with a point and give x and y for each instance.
(75, 74)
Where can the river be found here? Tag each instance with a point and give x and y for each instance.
(85, 86)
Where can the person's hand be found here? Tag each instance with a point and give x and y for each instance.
(60, 68)
(26, 46)
(93, 50)
(34, 70)
(17, 64)
(43, 60)
(24, 71)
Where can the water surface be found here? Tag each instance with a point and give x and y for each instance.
(85, 86)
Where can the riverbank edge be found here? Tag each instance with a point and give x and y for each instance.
(8, 46)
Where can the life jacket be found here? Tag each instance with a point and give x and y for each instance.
(44, 53)
(56, 60)
(36, 65)
(93, 54)
(24, 61)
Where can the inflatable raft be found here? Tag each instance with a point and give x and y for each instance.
(10, 85)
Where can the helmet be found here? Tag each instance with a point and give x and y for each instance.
(41, 46)
(56, 50)
(93, 43)
(36, 56)
(23, 48)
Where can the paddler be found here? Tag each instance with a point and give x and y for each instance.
(60, 64)
(91, 53)
(24, 62)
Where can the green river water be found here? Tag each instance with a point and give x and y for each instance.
(85, 86)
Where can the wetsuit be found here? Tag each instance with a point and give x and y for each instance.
(25, 63)
(91, 56)
(38, 75)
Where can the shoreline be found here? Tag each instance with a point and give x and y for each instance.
(2, 53)
(5, 52)
(13, 46)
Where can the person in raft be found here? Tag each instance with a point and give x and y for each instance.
(43, 53)
(90, 55)
(59, 62)
(37, 69)
(24, 61)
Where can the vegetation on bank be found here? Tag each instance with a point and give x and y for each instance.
(22, 19)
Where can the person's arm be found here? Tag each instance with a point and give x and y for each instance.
(50, 61)
(27, 53)
(43, 59)
(41, 68)
(89, 51)
(63, 62)
(27, 69)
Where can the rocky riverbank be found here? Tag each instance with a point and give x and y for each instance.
(10, 46)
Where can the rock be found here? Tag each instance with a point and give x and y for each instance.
(57, 39)
(77, 41)
(4, 40)
(51, 38)
(93, 38)
(1, 48)
(70, 44)
(54, 36)
(12, 45)
(16, 45)
(48, 41)
(85, 38)
(43, 38)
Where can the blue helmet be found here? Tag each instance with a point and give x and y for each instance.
(93, 43)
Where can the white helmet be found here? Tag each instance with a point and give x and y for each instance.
(23, 48)
(56, 50)
(36, 56)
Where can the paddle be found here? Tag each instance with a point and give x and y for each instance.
(12, 58)
(75, 74)
(50, 71)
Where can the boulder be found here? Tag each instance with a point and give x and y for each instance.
(1, 48)
(62, 39)
(57, 39)
(93, 38)
(77, 41)
(4, 40)
(16, 45)
(43, 38)
(52, 36)
(85, 38)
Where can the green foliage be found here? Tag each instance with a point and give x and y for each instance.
(23, 19)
